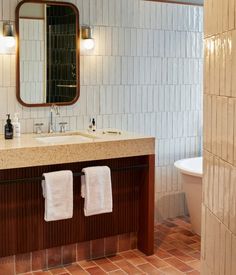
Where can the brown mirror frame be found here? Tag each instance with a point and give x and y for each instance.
(18, 53)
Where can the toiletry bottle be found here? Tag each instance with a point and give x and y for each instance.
(16, 125)
(93, 125)
(90, 127)
(8, 129)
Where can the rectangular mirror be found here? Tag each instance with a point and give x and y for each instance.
(47, 53)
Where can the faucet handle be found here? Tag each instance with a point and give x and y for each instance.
(63, 126)
(38, 128)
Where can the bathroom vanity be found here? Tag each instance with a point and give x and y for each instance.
(52, 28)
(23, 161)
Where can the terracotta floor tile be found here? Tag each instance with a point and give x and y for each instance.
(197, 238)
(157, 262)
(180, 255)
(182, 237)
(196, 255)
(191, 243)
(41, 273)
(57, 271)
(188, 227)
(166, 238)
(195, 265)
(117, 272)
(188, 233)
(106, 265)
(163, 228)
(184, 218)
(171, 271)
(176, 253)
(182, 246)
(196, 246)
(181, 266)
(128, 267)
(194, 272)
(96, 270)
(163, 254)
(165, 245)
(133, 258)
(139, 253)
(159, 235)
(86, 264)
(182, 223)
(169, 224)
(178, 229)
(115, 258)
(149, 269)
(75, 269)
(102, 261)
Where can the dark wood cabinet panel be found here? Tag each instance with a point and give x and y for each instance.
(22, 225)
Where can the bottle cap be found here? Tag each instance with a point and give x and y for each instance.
(8, 118)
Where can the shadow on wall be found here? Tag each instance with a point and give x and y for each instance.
(170, 205)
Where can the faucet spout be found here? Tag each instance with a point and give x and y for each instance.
(51, 126)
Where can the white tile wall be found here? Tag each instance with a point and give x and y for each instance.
(145, 75)
(32, 60)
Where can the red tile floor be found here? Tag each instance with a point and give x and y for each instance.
(177, 251)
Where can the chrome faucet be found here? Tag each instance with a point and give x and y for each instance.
(51, 126)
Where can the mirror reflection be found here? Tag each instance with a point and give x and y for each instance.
(48, 54)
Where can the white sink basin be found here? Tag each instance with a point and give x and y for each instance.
(63, 139)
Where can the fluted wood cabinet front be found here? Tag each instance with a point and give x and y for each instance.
(22, 225)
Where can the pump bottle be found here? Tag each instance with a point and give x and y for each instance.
(8, 128)
(16, 125)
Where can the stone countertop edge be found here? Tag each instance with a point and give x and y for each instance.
(20, 157)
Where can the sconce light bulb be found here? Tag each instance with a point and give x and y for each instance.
(8, 35)
(89, 44)
(9, 41)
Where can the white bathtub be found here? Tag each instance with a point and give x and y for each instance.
(191, 176)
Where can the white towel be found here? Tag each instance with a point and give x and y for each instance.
(96, 190)
(58, 194)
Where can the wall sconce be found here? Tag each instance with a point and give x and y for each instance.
(8, 35)
(86, 34)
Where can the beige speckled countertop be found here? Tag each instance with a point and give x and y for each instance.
(29, 150)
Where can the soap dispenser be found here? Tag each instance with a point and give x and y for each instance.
(16, 125)
(93, 125)
(8, 128)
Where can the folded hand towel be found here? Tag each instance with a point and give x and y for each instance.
(96, 190)
(58, 194)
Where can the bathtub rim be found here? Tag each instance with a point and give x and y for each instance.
(182, 166)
